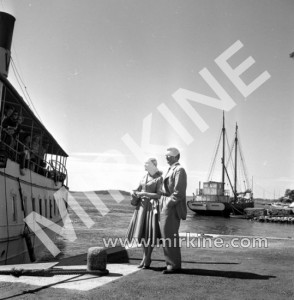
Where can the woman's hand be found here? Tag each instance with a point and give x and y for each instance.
(134, 193)
(140, 194)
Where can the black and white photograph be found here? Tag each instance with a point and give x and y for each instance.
(146, 149)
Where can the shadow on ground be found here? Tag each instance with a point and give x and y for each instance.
(217, 273)
(188, 262)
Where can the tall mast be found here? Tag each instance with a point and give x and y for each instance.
(223, 158)
(236, 161)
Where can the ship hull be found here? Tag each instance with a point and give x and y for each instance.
(238, 207)
(210, 208)
(18, 251)
(216, 208)
(37, 193)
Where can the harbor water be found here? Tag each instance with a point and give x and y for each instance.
(114, 223)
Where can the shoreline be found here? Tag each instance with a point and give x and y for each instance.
(233, 236)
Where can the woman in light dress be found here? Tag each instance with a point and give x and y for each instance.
(144, 225)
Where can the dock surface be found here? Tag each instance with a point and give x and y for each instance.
(208, 272)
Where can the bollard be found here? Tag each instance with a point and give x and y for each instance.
(96, 259)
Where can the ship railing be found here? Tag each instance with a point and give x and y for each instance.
(51, 168)
(59, 171)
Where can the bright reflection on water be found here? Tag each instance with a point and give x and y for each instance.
(232, 226)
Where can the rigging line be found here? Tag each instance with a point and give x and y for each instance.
(27, 101)
(229, 159)
(216, 149)
(230, 151)
(16, 57)
(26, 91)
(214, 158)
(17, 79)
(243, 163)
(15, 63)
(18, 70)
(17, 73)
(239, 174)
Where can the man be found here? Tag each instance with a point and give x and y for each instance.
(173, 203)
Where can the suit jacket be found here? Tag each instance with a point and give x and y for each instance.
(174, 186)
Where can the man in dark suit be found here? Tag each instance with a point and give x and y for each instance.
(173, 209)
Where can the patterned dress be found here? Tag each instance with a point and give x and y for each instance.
(144, 224)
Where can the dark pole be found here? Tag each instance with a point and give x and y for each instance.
(236, 158)
(223, 158)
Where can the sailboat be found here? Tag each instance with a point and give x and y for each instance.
(32, 167)
(213, 198)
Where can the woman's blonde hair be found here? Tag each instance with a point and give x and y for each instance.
(153, 160)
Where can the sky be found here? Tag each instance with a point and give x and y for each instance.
(110, 78)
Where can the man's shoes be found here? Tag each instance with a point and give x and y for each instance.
(146, 267)
(171, 271)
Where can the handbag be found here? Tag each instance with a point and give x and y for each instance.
(135, 200)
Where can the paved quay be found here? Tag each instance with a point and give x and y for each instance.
(213, 268)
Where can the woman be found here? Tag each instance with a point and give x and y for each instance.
(144, 225)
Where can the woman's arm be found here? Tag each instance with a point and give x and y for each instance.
(150, 195)
(155, 195)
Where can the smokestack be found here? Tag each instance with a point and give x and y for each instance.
(6, 32)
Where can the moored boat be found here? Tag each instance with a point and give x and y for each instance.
(32, 167)
(213, 198)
